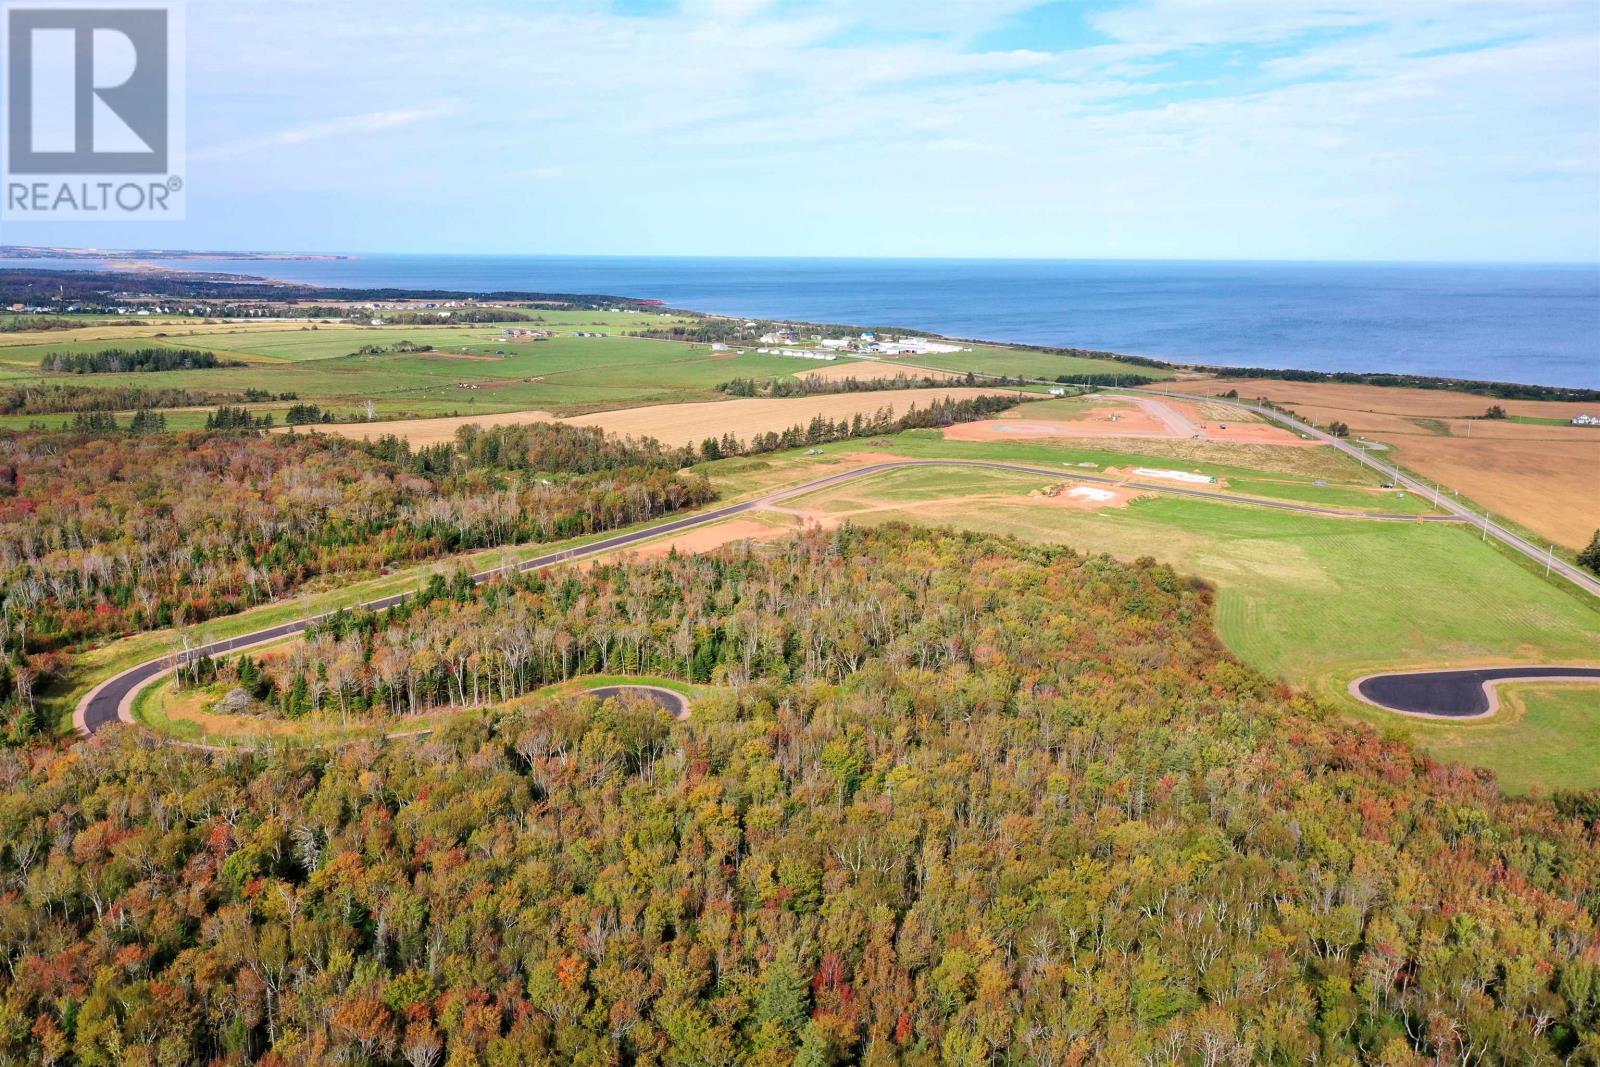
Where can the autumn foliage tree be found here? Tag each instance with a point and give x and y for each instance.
(946, 799)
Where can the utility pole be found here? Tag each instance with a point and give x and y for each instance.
(1549, 559)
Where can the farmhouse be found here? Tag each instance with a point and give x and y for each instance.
(1586, 420)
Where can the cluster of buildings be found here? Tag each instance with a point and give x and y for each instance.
(800, 353)
(889, 346)
(518, 333)
(1586, 420)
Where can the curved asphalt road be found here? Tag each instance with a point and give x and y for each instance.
(112, 700)
(1459, 694)
(674, 704)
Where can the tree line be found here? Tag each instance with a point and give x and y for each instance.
(101, 536)
(1499, 390)
(55, 398)
(823, 429)
(125, 360)
(949, 799)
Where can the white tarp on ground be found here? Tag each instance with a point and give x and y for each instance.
(1175, 476)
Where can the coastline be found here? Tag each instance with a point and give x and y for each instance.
(335, 277)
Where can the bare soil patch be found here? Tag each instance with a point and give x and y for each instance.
(873, 372)
(1132, 418)
(709, 538)
(1547, 478)
(1086, 497)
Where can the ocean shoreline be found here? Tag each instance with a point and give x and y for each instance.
(1572, 366)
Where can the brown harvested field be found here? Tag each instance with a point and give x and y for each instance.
(1126, 418)
(1547, 478)
(873, 372)
(422, 432)
(142, 329)
(1377, 399)
(1550, 486)
(676, 424)
(683, 424)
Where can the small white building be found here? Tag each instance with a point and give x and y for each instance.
(1586, 420)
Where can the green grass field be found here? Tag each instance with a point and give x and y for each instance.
(1543, 737)
(1267, 471)
(1316, 601)
(474, 369)
(1320, 601)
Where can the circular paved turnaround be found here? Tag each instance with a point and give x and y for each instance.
(675, 704)
(1460, 694)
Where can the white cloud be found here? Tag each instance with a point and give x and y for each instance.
(345, 127)
(751, 125)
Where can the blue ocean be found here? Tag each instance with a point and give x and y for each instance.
(1535, 324)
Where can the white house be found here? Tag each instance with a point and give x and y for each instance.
(1586, 420)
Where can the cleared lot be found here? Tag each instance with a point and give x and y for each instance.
(1540, 475)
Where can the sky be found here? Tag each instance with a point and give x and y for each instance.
(1151, 129)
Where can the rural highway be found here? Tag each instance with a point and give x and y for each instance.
(1538, 554)
(112, 700)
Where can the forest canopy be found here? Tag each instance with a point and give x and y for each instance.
(950, 799)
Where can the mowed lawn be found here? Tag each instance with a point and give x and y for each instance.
(1321, 601)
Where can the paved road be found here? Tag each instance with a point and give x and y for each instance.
(112, 700)
(1459, 694)
(675, 704)
(1538, 553)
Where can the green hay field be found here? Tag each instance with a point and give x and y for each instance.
(1320, 601)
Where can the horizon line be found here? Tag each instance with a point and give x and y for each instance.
(222, 253)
